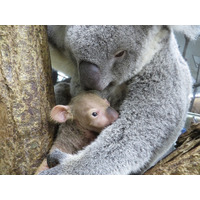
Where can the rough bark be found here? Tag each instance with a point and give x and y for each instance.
(185, 160)
(26, 98)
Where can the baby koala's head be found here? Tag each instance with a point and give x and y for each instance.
(89, 110)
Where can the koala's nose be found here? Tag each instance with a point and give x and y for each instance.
(90, 76)
(112, 114)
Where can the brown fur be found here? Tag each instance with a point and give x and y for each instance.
(81, 128)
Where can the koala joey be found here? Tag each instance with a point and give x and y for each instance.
(82, 120)
(157, 81)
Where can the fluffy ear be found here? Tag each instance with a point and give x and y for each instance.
(191, 31)
(61, 113)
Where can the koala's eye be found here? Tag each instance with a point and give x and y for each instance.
(120, 54)
(94, 114)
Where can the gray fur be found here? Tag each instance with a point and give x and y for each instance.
(191, 32)
(154, 106)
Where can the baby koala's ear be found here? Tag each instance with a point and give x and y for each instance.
(61, 113)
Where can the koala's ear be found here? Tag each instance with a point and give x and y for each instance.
(61, 113)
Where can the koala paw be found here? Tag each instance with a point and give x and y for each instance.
(55, 158)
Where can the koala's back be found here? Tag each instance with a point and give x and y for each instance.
(70, 139)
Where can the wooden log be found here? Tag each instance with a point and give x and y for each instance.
(185, 160)
(26, 97)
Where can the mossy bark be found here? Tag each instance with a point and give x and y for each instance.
(185, 160)
(26, 97)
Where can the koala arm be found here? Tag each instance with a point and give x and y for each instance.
(150, 121)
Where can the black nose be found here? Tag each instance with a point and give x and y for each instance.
(89, 76)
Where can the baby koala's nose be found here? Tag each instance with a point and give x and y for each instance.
(112, 114)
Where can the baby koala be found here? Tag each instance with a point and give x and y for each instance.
(82, 120)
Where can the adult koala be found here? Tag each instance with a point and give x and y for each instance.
(140, 70)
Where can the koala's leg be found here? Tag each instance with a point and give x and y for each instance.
(55, 158)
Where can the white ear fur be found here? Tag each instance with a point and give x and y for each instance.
(61, 113)
(191, 31)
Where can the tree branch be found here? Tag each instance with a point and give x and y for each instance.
(185, 159)
(26, 98)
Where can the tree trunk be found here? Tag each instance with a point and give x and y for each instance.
(26, 98)
(185, 159)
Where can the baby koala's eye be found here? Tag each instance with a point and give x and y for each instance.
(94, 114)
